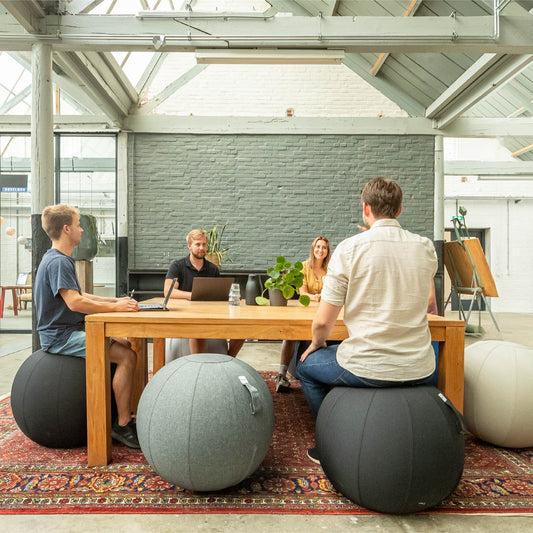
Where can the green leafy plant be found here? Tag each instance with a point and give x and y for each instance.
(286, 277)
(214, 243)
(90, 239)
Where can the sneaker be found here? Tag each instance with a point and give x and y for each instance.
(282, 383)
(312, 453)
(126, 434)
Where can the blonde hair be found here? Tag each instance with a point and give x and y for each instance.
(196, 234)
(312, 258)
(55, 217)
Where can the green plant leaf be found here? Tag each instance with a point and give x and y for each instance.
(261, 300)
(287, 265)
(288, 291)
(269, 284)
(274, 274)
(280, 259)
(304, 299)
(289, 277)
(298, 265)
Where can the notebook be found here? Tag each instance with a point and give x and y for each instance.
(211, 289)
(159, 307)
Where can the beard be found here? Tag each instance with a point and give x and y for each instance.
(198, 255)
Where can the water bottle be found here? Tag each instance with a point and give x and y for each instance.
(235, 294)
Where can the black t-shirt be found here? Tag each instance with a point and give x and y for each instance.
(185, 272)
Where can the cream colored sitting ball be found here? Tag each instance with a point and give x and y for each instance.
(498, 402)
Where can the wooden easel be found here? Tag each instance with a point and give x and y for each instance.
(470, 274)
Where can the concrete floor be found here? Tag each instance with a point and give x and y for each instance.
(263, 356)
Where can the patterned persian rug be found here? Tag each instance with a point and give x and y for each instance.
(34, 479)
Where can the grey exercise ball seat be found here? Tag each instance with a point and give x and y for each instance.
(392, 450)
(205, 421)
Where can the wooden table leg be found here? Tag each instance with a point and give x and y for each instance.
(98, 395)
(451, 365)
(158, 355)
(15, 301)
(140, 378)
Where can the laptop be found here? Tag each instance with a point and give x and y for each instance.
(159, 307)
(210, 289)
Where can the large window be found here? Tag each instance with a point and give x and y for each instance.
(85, 176)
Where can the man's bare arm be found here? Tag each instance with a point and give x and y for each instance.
(323, 323)
(82, 304)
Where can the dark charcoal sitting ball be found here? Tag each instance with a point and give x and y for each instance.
(392, 450)
(48, 400)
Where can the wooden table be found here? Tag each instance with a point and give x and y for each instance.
(215, 320)
(13, 289)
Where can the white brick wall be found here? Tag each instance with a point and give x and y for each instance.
(269, 90)
(503, 208)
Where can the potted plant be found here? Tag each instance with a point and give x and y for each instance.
(284, 279)
(215, 251)
(90, 238)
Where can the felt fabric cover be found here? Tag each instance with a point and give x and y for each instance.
(48, 399)
(205, 421)
(392, 450)
(498, 406)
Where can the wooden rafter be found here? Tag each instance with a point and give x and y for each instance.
(411, 10)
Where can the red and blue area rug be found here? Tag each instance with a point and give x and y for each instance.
(34, 479)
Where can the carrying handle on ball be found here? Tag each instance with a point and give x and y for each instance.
(459, 424)
(254, 394)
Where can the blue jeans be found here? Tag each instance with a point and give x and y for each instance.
(320, 372)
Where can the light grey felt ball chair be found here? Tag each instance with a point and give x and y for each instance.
(205, 421)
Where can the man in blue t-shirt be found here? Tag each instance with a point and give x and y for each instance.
(61, 307)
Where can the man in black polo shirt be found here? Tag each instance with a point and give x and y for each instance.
(185, 270)
(194, 265)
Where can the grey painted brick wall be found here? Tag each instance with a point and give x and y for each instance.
(277, 192)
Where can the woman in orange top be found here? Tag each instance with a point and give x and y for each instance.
(315, 268)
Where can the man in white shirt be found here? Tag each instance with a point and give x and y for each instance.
(383, 278)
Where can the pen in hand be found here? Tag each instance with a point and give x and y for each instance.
(131, 293)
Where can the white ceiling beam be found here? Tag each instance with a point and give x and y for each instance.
(66, 123)
(480, 127)
(80, 70)
(64, 83)
(28, 13)
(353, 34)
(12, 102)
(489, 127)
(111, 72)
(488, 168)
(169, 90)
(320, 125)
(487, 75)
(149, 73)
